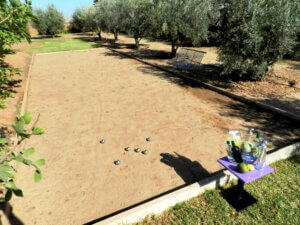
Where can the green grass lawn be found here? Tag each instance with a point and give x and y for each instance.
(61, 44)
(278, 198)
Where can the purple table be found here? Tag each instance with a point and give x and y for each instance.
(245, 177)
(237, 196)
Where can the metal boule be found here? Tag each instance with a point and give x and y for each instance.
(145, 152)
(102, 141)
(117, 162)
(137, 150)
(127, 149)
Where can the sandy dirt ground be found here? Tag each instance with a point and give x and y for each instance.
(274, 90)
(85, 96)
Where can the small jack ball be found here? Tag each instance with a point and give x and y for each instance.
(127, 149)
(102, 141)
(148, 139)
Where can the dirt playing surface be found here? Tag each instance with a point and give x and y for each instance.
(273, 90)
(85, 96)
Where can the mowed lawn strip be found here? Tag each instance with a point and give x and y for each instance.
(62, 44)
(278, 198)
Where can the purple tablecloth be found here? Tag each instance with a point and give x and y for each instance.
(245, 177)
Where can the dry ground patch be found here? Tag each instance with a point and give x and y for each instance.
(86, 96)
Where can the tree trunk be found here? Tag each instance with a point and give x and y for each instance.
(99, 35)
(137, 43)
(173, 50)
(116, 35)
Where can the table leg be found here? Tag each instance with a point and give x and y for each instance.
(240, 185)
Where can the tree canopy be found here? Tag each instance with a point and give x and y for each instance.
(256, 34)
(138, 18)
(182, 20)
(49, 21)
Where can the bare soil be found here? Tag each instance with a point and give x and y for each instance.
(87, 96)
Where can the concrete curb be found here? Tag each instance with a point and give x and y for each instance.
(222, 91)
(157, 206)
(26, 90)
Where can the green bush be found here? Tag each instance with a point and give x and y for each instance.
(14, 17)
(256, 34)
(50, 21)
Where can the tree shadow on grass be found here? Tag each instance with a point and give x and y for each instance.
(190, 171)
(41, 37)
(295, 159)
(106, 42)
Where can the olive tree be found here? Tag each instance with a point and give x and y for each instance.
(181, 20)
(14, 17)
(100, 19)
(256, 34)
(138, 18)
(111, 14)
(49, 21)
(87, 19)
(78, 20)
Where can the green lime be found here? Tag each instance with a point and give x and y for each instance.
(242, 167)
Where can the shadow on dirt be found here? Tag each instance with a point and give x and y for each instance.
(105, 42)
(16, 83)
(190, 171)
(8, 212)
(293, 65)
(279, 131)
(205, 72)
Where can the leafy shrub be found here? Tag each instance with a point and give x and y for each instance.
(50, 21)
(10, 143)
(14, 17)
(256, 34)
